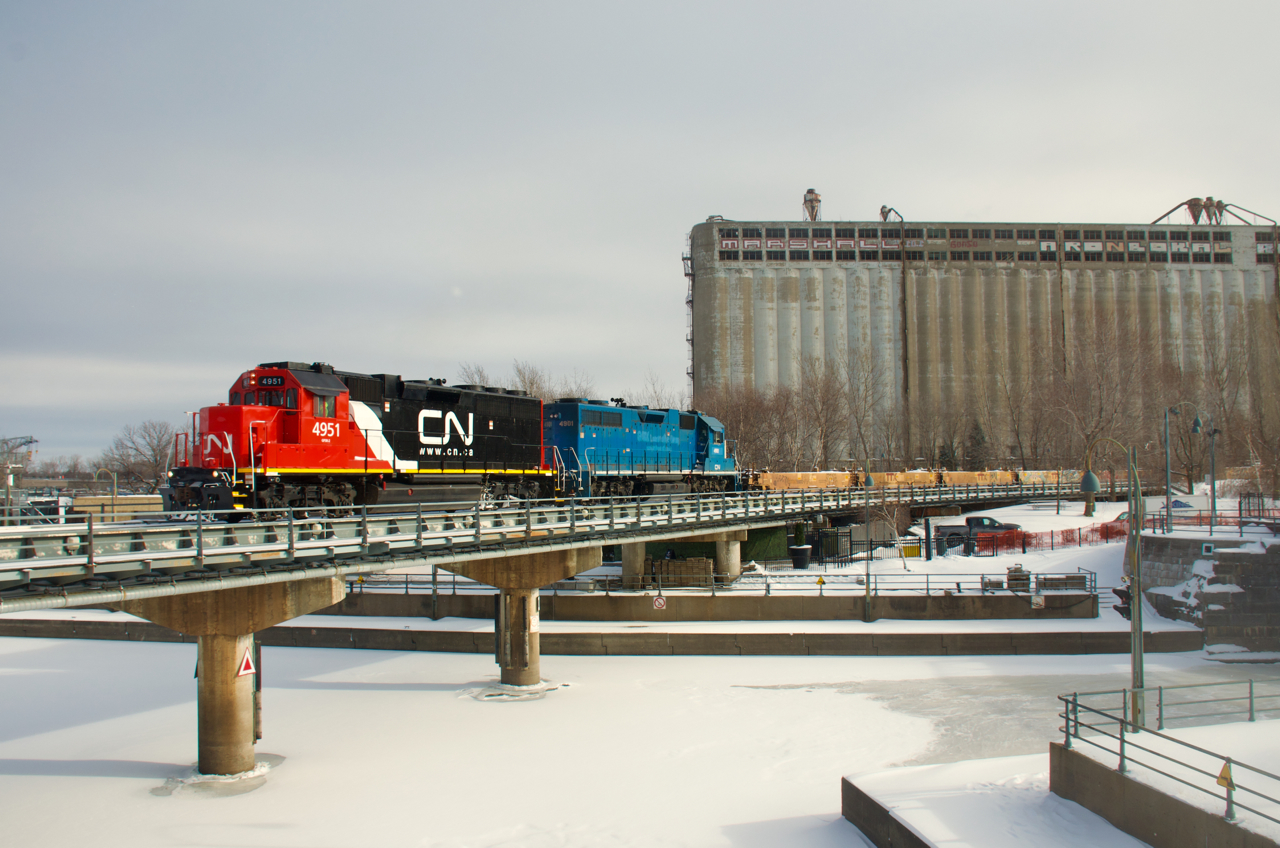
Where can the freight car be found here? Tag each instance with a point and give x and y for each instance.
(621, 450)
(297, 435)
(917, 479)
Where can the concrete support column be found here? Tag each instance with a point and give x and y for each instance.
(224, 702)
(519, 576)
(224, 623)
(518, 639)
(632, 565)
(728, 561)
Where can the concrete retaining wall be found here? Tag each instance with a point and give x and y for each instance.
(687, 644)
(1167, 561)
(727, 607)
(876, 823)
(1140, 810)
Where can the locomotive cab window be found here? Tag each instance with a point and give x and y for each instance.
(235, 398)
(291, 399)
(719, 437)
(250, 399)
(325, 406)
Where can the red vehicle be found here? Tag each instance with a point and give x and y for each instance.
(297, 435)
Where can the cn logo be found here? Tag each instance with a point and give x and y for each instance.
(211, 441)
(451, 422)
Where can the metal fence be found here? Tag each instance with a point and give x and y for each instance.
(1106, 721)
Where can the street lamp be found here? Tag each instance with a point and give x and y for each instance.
(867, 483)
(114, 488)
(1168, 481)
(1214, 432)
(1090, 484)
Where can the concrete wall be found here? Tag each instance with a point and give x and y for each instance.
(725, 607)
(876, 823)
(1238, 605)
(1142, 811)
(640, 643)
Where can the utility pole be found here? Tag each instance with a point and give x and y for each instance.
(8, 454)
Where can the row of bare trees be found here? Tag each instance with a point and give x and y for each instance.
(541, 383)
(140, 456)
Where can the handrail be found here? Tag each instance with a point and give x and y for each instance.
(1125, 745)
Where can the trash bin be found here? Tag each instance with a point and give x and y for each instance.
(800, 555)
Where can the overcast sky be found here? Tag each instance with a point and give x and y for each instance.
(189, 189)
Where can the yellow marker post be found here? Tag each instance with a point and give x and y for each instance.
(1224, 779)
(821, 583)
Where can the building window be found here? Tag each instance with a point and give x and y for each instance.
(728, 232)
(1004, 255)
(1180, 257)
(799, 255)
(937, 256)
(891, 255)
(982, 256)
(1028, 234)
(914, 255)
(799, 234)
(821, 233)
(752, 255)
(1158, 256)
(1135, 235)
(959, 234)
(937, 232)
(1137, 257)
(1048, 234)
(891, 234)
(1048, 255)
(1202, 257)
(1092, 256)
(1158, 235)
(870, 255)
(1115, 235)
(728, 256)
(1026, 256)
(959, 255)
(868, 233)
(1223, 258)
(822, 256)
(750, 232)
(1222, 236)
(1175, 236)
(776, 255)
(774, 232)
(912, 233)
(1004, 234)
(1113, 256)
(1200, 236)
(1093, 235)
(982, 234)
(846, 256)
(1263, 237)
(1071, 235)
(846, 233)
(1266, 257)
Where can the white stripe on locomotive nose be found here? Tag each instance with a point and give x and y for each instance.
(371, 426)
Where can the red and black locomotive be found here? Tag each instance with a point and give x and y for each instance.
(298, 435)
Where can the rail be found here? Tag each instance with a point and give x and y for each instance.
(1110, 728)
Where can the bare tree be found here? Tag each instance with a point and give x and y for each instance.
(140, 455)
(473, 374)
(825, 411)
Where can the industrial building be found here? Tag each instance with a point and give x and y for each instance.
(944, 315)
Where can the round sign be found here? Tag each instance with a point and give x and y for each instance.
(659, 602)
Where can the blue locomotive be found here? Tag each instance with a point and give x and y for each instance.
(618, 450)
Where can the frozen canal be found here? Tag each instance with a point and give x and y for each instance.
(388, 748)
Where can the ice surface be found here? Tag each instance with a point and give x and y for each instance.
(389, 748)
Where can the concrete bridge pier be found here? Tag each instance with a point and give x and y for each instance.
(223, 623)
(516, 630)
(632, 565)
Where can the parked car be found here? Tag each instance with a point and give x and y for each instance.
(974, 526)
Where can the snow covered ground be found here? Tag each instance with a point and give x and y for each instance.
(385, 748)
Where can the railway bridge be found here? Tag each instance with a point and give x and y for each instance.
(223, 582)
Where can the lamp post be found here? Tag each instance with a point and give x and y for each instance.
(1214, 432)
(114, 488)
(1091, 484)
(1168, 477)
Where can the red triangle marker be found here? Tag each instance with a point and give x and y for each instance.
(246, 664)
